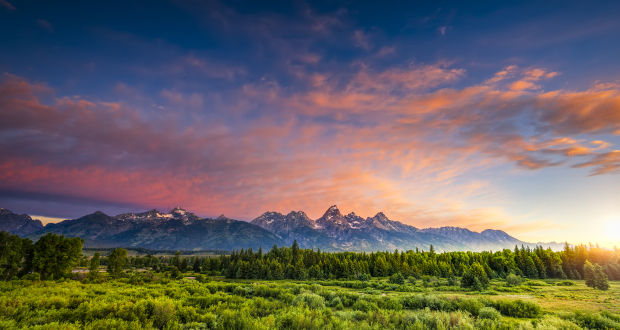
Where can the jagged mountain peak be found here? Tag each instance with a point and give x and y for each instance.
(177, 210)
(18, 224)
(221, 217)
(99, 213)
(332, 212)
(151, 215)
(381, 216)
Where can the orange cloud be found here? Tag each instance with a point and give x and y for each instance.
(523, 85)
(381, 142)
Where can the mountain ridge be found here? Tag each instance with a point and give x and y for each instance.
(333, 231)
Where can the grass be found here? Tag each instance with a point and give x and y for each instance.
(146, 302)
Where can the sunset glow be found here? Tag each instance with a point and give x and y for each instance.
(421, 111)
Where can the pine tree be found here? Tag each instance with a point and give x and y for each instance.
(530, 268)
(478, 271)
(277, 272)
(93, 269)
(588, 270)
(380, 267)
(295, 250)
(196, 267)
(600, 278)
(176, 262)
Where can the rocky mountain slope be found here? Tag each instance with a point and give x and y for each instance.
(176, 230)
(18, 224)
(336, 232)
(182, 230)
(487, 240)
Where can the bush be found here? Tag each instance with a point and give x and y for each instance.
(335, 301)
(364, 277)
(553, 322)
(313, 301)
(592, 321)
(470, 305)
(513, 280)
(489, 313)
(397, 278)
(365, 306)
(32, 277)
(566, 283)
(517, 308)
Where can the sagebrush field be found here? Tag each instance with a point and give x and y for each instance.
(51, 284)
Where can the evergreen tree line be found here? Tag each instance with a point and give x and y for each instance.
(299, 264)
(53, 255)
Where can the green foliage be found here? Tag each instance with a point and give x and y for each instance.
(12, 248)
(595, 277)
(53, 255)
(565, 283)
(364, 277)
(93, 269)
(513, 280)
(32, 277)
(489, 313)
(517, 308)
(471, 305)
(397, 278)
(592, 321)
(311, 300)
(365, 306)
(116, 261)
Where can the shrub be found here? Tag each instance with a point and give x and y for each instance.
(470, 305)
(364, 306)
(32, 277)
(566, 283)
(397, 278)
(489, 313)
(364, 277)
(453, 281)
(517, 308)
(313, 301)
(513, 280)
(391, 304)
(592, 321)
(335, 301)
(554, 322)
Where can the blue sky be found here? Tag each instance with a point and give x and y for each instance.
(491, 115)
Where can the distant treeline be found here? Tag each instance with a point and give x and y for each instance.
(53, 256)
(295, 263)
(150, 251)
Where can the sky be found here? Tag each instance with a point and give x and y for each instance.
(487, 115)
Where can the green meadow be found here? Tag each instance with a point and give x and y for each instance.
(148, 300)
(53, 284)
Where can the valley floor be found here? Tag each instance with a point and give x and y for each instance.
(154, 301)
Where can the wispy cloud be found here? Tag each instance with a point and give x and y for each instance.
(7, 5)
(45, 24)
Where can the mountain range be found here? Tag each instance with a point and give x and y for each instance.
(181, 230)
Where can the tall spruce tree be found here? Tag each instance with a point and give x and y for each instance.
(93, 269)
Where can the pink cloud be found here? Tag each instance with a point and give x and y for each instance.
(424, 139)
(7, 5)
(523, 85)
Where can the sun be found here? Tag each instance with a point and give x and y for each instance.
(613, 229)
